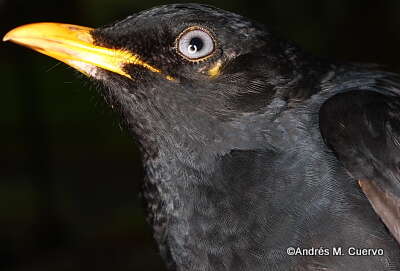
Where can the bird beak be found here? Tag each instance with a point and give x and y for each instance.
(75, 46)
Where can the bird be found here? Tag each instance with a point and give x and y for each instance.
(257, 154)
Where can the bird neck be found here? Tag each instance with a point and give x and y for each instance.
(194, 211)
(231, 203)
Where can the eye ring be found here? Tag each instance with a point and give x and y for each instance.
(195, 44)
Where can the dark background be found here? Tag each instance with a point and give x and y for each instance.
(69, 177)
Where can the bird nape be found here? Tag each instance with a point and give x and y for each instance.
(257, 155)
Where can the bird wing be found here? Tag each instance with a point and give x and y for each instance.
(363, 130)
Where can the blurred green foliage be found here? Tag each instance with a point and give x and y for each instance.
(69, 177)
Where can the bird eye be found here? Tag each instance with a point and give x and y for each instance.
(195, 44)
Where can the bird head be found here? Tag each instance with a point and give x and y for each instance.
(184, 69)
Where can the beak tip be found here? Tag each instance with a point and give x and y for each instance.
(7, 37)
(10, 35)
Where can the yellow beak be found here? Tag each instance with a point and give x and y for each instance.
(74, 45)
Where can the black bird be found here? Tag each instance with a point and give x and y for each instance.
(258, 156)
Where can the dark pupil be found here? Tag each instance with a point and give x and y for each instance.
(197, 42)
